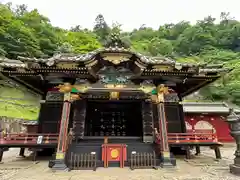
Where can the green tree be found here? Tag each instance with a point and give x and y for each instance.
(101, 28)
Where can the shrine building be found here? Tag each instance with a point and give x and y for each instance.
(111, 107)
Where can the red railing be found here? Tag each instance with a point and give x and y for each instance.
(200, 131)
(33, 139)
(192, 138)
(29, 139)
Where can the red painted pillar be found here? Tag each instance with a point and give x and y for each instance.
(165, 152)
(59, 163)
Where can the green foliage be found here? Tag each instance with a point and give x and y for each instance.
(101, 28)
(16, 103)
(28, 33)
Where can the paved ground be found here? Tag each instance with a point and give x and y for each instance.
(203, 167)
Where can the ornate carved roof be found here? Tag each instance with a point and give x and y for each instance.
(184, 76)
(89, 56)
(84, 58)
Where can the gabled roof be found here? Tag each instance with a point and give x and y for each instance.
(89, 56)
(23, 62)
(4, 62)
(185, 77)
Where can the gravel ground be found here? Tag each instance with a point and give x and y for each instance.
(203, 167)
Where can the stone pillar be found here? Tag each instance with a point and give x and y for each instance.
(59, 162)
(167, 159)
(234, 124)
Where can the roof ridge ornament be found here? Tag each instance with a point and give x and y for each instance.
(115, 41)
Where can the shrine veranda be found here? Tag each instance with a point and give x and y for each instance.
(110, 107)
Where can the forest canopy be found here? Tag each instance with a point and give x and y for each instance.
(28, 33)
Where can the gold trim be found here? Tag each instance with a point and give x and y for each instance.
(166, 154)
(65, 88)
(60, 155)
(82, 87)
(114, 153)
(116, 58)
(162, 68)
(67, 96)
(67, 65)
(146, 89)
(114, 95)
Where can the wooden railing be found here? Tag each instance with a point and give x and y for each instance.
(192, 138)
(34, 139)
(200, 130)
(29, 139)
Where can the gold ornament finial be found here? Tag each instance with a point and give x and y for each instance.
(65, 88)
(162, 89)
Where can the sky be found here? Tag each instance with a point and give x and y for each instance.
(130, 13)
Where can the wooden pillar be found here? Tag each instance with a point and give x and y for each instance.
(188, 152)
(198, 151)
(59, 163)
(21, 153)
(34, 155)
(217, 152)
(165, 151)
(1, 154)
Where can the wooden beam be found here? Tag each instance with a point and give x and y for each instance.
(19, 81)
(20, 84)
(196, 87)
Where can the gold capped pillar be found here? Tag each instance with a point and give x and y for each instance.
(166, 158)
(59, 162)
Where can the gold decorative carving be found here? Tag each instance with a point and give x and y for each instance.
(161, 91)
(114, 95)
(116, 58)
(166, 154)
(146, 89)
(162, 68)
(67, 65)
(67, 96)
(114, 86)
(60, 155)
(66, 87)
(75, 97)
(82, 87)
(154, 98)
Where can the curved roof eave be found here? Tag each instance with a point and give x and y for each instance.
(89, 56)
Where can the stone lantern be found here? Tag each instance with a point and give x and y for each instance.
(234, 124)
